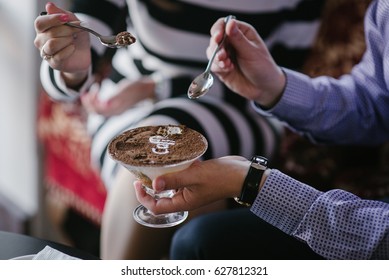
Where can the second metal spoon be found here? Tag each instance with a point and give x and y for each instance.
(113, 41)
(203, 82)
(120, 40)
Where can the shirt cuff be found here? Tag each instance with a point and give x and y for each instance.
(83, 88)
(283, 201)
(297, 86)
(162, 86)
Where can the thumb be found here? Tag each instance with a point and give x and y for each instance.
(51, 8)
(174, 180)
(242, 36)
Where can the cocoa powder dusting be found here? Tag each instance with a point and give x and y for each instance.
(157, 145)
(125, 38)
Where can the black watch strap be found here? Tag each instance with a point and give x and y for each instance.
(253, 179)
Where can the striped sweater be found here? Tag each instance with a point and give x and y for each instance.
(172, 37)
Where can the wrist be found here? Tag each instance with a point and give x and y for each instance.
(161, 86)
(270, 98)
(253, 181)
(147, 87)
(75, 80)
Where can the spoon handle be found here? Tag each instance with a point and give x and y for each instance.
(76, 26)
(226, 20)
(83, 28)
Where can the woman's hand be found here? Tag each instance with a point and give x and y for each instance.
(200, 184)
(127, 95)
(65, 48)
(244, 63)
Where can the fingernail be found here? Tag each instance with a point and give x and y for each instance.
(95, 87)
(160, 185)
(105, 104)
(234, 30)
(64, 18)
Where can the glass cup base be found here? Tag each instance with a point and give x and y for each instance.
(143, 216)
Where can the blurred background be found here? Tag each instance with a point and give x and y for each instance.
(20, 167)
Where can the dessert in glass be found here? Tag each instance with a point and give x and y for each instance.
(150, 151)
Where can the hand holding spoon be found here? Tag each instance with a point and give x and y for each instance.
(202, 83)
(122, 39)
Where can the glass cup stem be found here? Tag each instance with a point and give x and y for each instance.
(147, 218)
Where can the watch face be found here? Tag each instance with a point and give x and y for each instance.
(259, 162)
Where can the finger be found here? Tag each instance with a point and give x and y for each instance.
(101, 106)
(168, 182)
(51, 8)
(57, 49)
(222, 62)
(45, 22)
(56, 45)
(57, 59)
(51, 26)
(53, 16)
(89, 101)
(242, 36)
(141, 195)
(168, 205)
(177, 180)
(217, 27)
(139, 191)
(162, 205)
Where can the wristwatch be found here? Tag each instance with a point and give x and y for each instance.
(251, 182)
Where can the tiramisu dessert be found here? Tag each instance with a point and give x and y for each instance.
(125, 39)
(149, 151)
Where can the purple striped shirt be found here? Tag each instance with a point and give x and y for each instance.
(353, 109)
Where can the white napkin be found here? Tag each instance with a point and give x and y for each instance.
(49, 253)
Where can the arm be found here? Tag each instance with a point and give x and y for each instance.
(351, 109)
(76, 56)
(335, 224)
(342, 111)
(129, 90)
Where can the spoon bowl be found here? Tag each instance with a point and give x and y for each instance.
(200, 85)
(203, 82)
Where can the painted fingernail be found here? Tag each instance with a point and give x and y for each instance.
(64, 18)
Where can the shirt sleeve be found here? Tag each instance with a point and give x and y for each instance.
(335, 224)
(349, 110)
(55, 86)
(94, 14)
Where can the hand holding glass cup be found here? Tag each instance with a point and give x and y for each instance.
(150, 151)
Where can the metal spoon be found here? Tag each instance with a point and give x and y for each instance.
(203, 82)
(112, 41)
(120, 40)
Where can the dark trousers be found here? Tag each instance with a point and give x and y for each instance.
(236, 234)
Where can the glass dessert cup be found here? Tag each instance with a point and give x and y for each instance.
(146, 174)
(151, 151)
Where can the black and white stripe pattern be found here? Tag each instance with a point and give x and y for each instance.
(172, 37)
